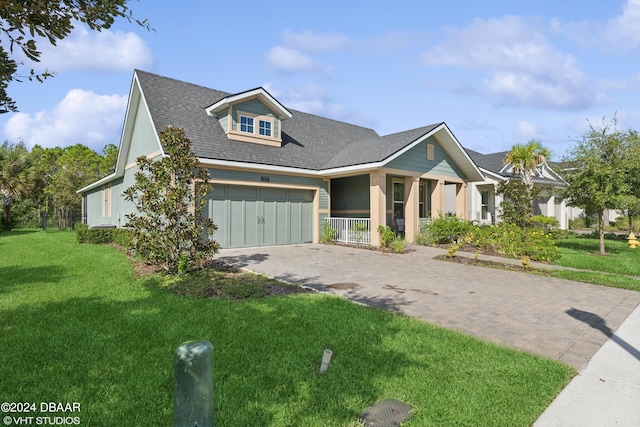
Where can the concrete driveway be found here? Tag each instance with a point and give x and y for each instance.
(561, 319)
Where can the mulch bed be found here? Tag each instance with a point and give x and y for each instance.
(485, 263)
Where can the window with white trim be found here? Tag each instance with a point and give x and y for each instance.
(484, 195)
(246, 124)
(264, 128)
(249, 126)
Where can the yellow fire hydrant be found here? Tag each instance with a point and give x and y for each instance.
(633, 242)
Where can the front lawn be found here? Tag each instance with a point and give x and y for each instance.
(584, 253)
(77, 326)
(619, 268)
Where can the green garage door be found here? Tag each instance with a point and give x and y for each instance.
(250, 216)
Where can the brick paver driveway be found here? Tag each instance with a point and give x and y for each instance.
(565, 320)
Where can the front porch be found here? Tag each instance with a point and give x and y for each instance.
(359, 204)
(358, 230)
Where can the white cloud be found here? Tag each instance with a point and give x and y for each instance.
(82, 117)
(523, 68)
(293, 55)
(293, 61)
(96, 51)
(308, 41)
(314, 99)
(617, 34)
(290, 60)
(623, 30)
(526, 130)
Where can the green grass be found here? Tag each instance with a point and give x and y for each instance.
(619, 268)
(77, 326)
(584, 253)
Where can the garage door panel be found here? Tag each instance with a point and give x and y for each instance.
(248, 216)
(307, 222)
(218, 212)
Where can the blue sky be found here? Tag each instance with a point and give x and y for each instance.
(498, 73)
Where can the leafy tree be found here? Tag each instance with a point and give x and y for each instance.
(516, 202)
(59, 173)
(21, 21)
(526, 158)
(78, 166)
(169, 227)
(596, 171)
(15, 177)
(110, 155)
(45, 161)
(631, 201)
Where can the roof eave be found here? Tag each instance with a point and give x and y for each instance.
(260, 93)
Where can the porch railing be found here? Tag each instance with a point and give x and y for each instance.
(351, 230)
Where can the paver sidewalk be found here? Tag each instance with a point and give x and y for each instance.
(561, 319)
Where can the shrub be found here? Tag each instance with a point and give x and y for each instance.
(398, 244)
(123, 237)
(451, 252)
(329, 234)
(444, 229)
(387, 235)
(515, 242)
(84, 234)
(577, 223)
(547, 223)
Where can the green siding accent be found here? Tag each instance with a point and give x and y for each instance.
(94, 207)
(223, 118)
(350, 193)
(254, 106)
(274, 179)
(415, 160)
(144, 139)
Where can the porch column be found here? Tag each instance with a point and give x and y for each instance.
(411, 214)
(377, 204)
(561, 214)
(437, 199)
(551, 207)
(461, 201)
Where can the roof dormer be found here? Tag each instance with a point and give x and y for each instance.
(251, 116)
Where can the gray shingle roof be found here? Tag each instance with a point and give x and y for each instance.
(376, 149)
(492, 162)
(308, 141)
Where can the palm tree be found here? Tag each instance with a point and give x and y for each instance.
(15, 176)
(526, 158)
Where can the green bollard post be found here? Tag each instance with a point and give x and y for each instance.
(193, 385)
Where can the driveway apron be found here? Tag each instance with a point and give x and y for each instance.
(561, 319)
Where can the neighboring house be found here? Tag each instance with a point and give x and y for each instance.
(485, 203)
(279, 174)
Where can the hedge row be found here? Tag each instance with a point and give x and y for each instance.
(119, 236)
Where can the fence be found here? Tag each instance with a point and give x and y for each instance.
(351, 230)
(61, 222)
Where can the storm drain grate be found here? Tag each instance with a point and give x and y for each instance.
(388, 413)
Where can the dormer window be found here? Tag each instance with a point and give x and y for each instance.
(264, 128)
(252, 116)
(246, 124)
(256, 124)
